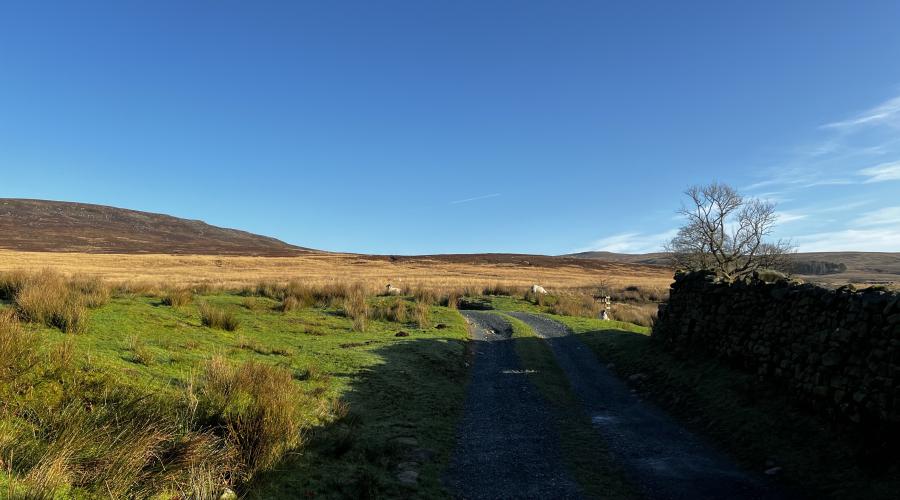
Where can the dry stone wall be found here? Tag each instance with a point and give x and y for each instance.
(837, 351)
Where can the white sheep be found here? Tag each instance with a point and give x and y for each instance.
(392, 290)
(538, 289)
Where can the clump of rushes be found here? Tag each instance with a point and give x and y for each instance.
(356, 308)
(394, 310)
(499, 289)
(47, 298)
(217, 317)
(258, 407)
(92, 291)
(576, 305)
(289, 304)
(18, 351)
(177, 297)
(423, 315)
(141, 354)
(452, 300)
(11, 282)
(425, 295)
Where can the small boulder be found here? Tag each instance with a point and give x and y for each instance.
(407, 441)
(408, 477)
(401, 333)
(638, 377)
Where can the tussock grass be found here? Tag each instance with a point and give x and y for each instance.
(258, 408)
(538, 299)
(18, 352)
(141, 353)
(46, 298)
(218, 317)
(642, 314)
(393, 309)
(290, 303)
(108, 440)
(52, 299)
(422, 315)
(356, 307)
(92, 291)
(575, 305)
(501, 289)
(177, 297)
(111, 440)
(11, 282)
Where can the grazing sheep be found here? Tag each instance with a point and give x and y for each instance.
(604, 315)
(392, 290)
(538, 289)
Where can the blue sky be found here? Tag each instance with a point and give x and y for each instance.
(458, 126)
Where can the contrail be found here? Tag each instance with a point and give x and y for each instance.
(493, 195)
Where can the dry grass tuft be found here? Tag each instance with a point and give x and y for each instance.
(394, 309)
(575, 305)
(640, 314)
(140, 352)
(422, 315)
(501, 289)
(11, 283)
(290, 303)
(258, 407)
(50, 298)
(19, 353)
(92, 291)
(218, 317)
(356, 307)
(177, 297)
(113, 442)
(46, 298)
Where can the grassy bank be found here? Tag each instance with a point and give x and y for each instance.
(189, 393)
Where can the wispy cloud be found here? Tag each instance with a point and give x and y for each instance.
(869, 137)
(880, 217)
(883, 172)
(632, 242)
(861, 240)
(788, 217)
(887, 113)
(476, 198)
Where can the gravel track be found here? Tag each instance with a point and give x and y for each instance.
(661, 458)
(507, 445)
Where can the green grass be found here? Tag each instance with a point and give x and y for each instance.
(754, 424)
(583, 449)
(376, 392)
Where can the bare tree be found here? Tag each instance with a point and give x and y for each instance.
(726, 233)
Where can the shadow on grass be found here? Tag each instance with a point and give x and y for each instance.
(757, 424)
(402, 416)
(403, 421)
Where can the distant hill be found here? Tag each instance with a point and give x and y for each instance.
(653, 259)
(857, 267)
(56, 226)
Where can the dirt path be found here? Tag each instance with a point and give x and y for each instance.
(660, 457)
(506, 444)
